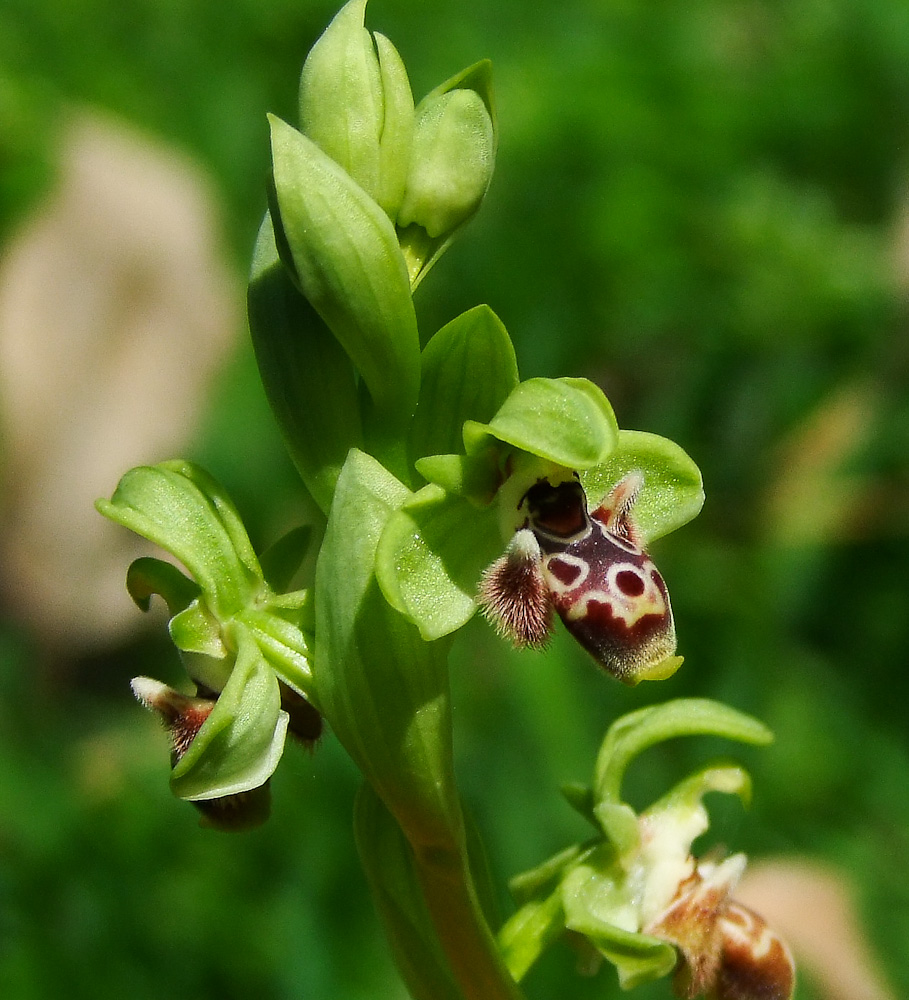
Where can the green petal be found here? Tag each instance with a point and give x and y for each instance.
(241, 742)
(430, 557)
(673, 492)
(147, 576)
(346, 257)
(194, 630)
(567, 421)
(468, 371)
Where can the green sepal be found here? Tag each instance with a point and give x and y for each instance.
(182, 509)
(345, 255)
(281, 561)
(357, 106)
(430, 557)
(388, 862)
(239, 745)
(619, 823)
(567, 421)
(673, 492)
(429, 201)
(593, 900)
(635, 732)
(384, 689)
(397, 127)
(147, 576)
(468, 371)
(308, 378)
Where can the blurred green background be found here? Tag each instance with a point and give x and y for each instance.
(704, 208)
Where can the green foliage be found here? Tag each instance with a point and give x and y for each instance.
(695, 207)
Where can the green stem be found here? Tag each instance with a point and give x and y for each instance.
(462, 930)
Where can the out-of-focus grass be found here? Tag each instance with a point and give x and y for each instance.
(699, 206)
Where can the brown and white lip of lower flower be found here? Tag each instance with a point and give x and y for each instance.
(726, 951)
(182, 715)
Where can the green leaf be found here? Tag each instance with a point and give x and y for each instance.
(241, 742)
(567, 421)
(672, 494)
(384, 689)
(308, 378)
(181, 508)
(346, 257)
(468, 371)
(635, 732)
(389, 866)
(147, 576)
(430, 557)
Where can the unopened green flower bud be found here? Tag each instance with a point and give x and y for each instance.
(357, 106)
(451, 164)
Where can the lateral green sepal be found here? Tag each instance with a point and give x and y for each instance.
(240, 743)
(673, 492)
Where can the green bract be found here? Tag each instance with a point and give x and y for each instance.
(344, 253)
(611, 888)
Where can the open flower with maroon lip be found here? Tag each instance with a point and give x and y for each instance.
(536, 503)
(635, 895)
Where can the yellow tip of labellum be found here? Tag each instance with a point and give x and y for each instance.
(658, 671)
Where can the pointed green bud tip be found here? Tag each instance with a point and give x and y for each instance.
(357, 106)
(451, 164)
